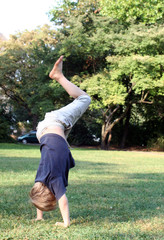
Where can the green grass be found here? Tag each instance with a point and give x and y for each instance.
(112, 195)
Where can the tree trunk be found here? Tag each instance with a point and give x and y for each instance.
(126, 128)
(104, 134)
(109, 139)
(34, 121)
(106, 139)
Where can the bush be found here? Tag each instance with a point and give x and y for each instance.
(158, 143)
(84, 134)
(5, 123)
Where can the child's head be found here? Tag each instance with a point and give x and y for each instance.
(42, 198)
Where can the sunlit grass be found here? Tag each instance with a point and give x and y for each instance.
(112, 195)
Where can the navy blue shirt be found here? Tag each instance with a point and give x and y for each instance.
(56, 160)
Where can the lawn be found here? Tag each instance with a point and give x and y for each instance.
(112, 195)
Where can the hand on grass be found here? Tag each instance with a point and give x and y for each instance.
(38, 219)
(61, 224)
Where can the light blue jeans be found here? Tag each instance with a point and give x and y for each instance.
(65, 117)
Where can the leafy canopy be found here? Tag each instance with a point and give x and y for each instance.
(128, 11)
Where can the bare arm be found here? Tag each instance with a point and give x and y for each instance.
(64, 209)
(39, 215)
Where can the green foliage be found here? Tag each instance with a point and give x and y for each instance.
(118, 66)
(6, 122)
(104, 91)
(144, 72)
(25, 62)
(141, 76)
(157, 143)
(128, 11)
(77, 40)
(69, 8)
(139, 39)
(83, 133)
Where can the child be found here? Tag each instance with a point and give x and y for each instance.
(56, 159)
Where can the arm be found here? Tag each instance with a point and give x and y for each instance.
(64, 209)
(39, 215)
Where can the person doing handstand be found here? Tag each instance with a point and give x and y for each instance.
(56, 159)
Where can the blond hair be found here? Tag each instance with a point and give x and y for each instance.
(42, 198)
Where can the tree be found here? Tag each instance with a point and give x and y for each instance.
(78, 22)
(127, 81)
(6, 121)
(87, 40)
(25, 62)
(68, 9)
(120, 64)
(128, 11)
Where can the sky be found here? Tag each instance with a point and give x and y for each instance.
(20, 15)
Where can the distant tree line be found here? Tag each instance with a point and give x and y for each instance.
(114, 50)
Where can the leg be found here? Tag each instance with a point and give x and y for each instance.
(69, 114)
(57, 74)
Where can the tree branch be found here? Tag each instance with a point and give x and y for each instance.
(112, 113)
(119, 118)
(143, 98)
(9, 93)
(147, 102)
(118, 106)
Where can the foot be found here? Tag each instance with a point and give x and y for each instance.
(56, 73)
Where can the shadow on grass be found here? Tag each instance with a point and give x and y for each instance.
(19, 164)
(148, 176)
(100, 192)
(96, 200)
(118, 202)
